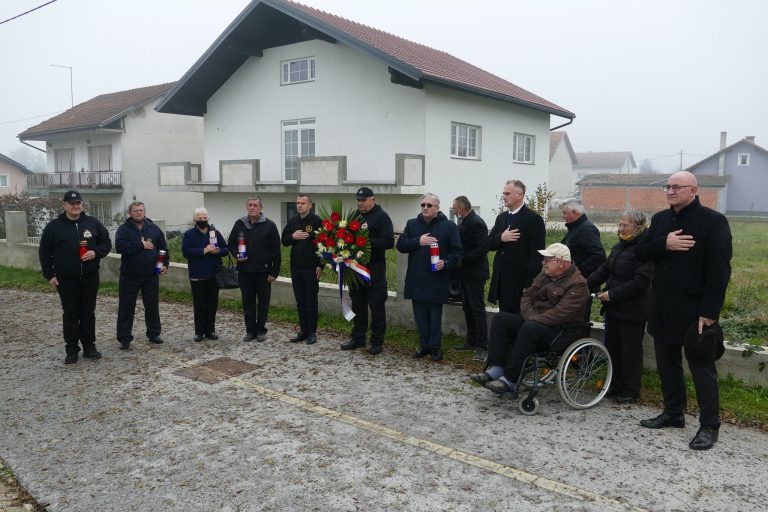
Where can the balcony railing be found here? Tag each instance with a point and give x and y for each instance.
(102, 179)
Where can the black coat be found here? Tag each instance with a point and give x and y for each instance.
(516, 263)
(474, 245)
(687, 284)
(627, 280)
(262, 245)
(583, 240)
(381, 233)
(59, 249)
(303, 253)
(421, 283)
(135, 261)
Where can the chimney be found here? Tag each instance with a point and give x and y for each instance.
(721, 161)
(750, 138)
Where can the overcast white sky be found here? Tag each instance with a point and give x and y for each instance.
(653, 77)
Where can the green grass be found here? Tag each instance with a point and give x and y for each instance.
(741, 404)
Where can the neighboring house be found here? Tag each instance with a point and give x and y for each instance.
(605, 162)
(562, 161)
(746, 165)
(109, 148)
(12, 176)
(618, 192)
(297, 99)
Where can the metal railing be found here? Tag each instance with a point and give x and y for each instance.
(102, 179)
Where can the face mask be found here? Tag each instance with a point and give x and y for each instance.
(202, 224)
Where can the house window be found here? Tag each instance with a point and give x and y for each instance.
(524, 147)
(299, 70)
(465, 141)
(64, 160)
(743, 159)
(298, 141)
(100, 158)
(4, 181)
(102, 210)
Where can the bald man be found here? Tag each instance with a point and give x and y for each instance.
(691, 248)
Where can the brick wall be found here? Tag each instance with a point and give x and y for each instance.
(644, 199)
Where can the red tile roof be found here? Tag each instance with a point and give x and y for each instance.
(97, 112)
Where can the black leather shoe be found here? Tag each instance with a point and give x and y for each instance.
(70, 359)
(156, 341)
(436, 355)
(212, 336)
(664, 420)
(625, 398)
(125, 346)
(199, 337)
(705, 438)
(422, 352)
(301, 336)
(481, 378)
(262, 336)
(352, 344)
(91, 353)
(375, 349)
(311, 339)
(249, 337)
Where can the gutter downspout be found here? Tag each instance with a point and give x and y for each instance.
(564, 124)
(721, 160)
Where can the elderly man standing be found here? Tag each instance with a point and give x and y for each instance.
(583, 238)
(472, 272)
(374, 294)
(517, 235)
(258, 268)
(691, 247)
(556, 297)
(71, 248)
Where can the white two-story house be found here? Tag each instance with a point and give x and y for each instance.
(109, 147)
(297, 99)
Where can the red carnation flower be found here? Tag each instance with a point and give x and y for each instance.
(335, 217)
(361, 241)
(341, 233)
(322, 237)
(349, 238)
(354, 225)
(327, 225)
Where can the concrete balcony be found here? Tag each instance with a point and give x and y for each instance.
(102, 181)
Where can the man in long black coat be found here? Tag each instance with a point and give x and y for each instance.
(691, 247)
(582, 238)
(517, 236)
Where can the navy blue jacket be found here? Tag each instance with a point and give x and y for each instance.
(421, 283)
(201, 265)
(60, 246)
(135, 261)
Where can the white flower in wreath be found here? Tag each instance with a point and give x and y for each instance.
(338, 259)
(345, 254)
(320, 248)
(359, 254)
(364, 225)
(342, 223)
(340, 244)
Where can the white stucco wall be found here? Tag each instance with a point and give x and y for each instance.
(151, 137)
(561, 177)
(481, 180)
(358, 113)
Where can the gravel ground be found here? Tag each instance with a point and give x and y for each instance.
(314, 428)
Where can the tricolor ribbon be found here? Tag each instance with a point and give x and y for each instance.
(339, 267)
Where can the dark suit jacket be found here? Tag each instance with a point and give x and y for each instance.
(686, 284)
(583, 240)
(474, 242)
(516, 263)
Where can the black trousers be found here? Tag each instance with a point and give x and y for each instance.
(428, 317)
(256, 292)
(372, 296)
(78, 302)
(305, 290)
(473, 304)
(669, 360)
(624, 341)
(205, 302)
(513, 339)
(126, 309)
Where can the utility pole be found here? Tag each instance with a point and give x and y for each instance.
(681, 159)
(71, 90)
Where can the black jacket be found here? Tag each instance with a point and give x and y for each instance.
(380, 233)
(627, 280)
(60, 246)
(262, 244)
(302, 251)
(516, 263)
(687, 284)
(474, 244)
(135, 261)
(421, 283)
(583, 239)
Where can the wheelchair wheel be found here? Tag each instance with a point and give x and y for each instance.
(528, 406)
(584, 373)
(546, 376)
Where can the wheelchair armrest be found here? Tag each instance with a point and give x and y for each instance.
(576, 325)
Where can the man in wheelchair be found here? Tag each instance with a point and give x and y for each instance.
(557, 296)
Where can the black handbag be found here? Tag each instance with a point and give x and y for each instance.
(226, 276)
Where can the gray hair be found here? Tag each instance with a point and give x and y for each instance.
(433, 196)
(463, 202)
(574, 205)
(517, 184)
(254, 198)
(638, 218)
(199, 210)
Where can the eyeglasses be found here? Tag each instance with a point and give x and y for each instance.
(427, 205)
(623, 226)
(675, 188)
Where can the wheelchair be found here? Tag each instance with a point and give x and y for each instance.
(578, 365)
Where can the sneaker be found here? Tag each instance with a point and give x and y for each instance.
(480, 354)
(481, 378)
(261, 336)
(91, 353)
(70, 359)
(249, 337)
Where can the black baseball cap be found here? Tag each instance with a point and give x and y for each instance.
(70, 196)
(364, 193)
